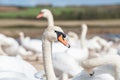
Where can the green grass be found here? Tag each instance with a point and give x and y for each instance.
(67, 13)
(28, 13)
(32, 12)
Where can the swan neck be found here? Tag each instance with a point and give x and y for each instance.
(50, 21)
(47, 58)
(21, 38)
(83, 37)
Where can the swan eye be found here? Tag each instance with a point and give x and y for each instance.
(60, 33)
(64, 35)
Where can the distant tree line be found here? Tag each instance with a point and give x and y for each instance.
(90, 13)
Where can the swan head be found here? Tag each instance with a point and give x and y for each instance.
(44, 13)
(21, 34)
(56, 34)
(84, 26)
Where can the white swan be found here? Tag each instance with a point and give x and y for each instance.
(95, 42)
(12, 48)
(14, 68)
(9, 46)
(51, 34)
(60, 62)
(86, 76)
(104, 60)
(34, 45)
(80, 54)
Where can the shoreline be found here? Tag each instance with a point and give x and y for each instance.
(16, 22)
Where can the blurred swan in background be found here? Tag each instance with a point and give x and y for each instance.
(90, 76)
(9, 46)
(16, 69)
(9, 75)
(109, 67)
(80, 53)
(108, 60)
(73, 39)
(97, 76)
(34, 45)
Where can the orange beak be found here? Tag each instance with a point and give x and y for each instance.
(39, 15)
(63, 41)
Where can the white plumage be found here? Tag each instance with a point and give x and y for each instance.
(15, 65)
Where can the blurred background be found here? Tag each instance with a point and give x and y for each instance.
(102, 17)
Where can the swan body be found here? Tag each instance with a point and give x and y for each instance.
(94, 43)
(97, 76)
(9, 75)
(69, 65)
(16, 65)
(105, 60)
(78, 54)
(34, 45)
(9, 46)
(12, 48)
(57, 48)
(23, 52)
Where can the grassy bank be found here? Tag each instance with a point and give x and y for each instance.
(68, 13)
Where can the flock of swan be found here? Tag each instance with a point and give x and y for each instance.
(65, 57)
